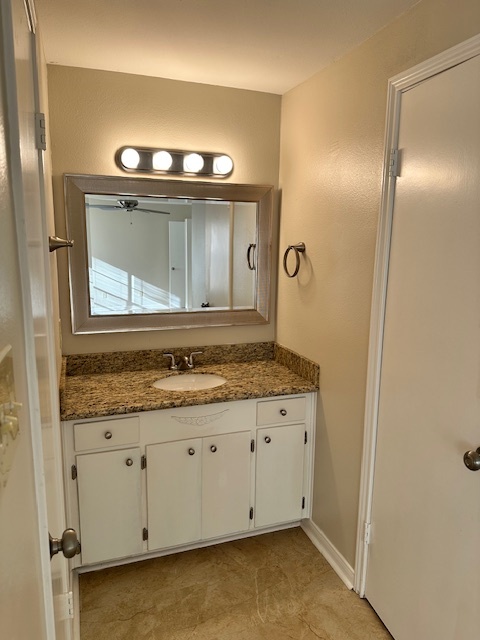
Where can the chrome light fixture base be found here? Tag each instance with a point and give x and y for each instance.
(173, 162)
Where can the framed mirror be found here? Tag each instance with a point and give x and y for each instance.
(167, 254)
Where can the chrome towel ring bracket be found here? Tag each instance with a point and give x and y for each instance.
(298, 248)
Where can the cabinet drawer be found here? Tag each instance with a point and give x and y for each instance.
(278, 411)
(106, 433)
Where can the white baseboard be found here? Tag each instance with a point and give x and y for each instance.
(331, 554)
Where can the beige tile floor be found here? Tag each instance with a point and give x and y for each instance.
(270, 587)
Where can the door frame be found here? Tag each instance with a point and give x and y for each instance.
(396, 87)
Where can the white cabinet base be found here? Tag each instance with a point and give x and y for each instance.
(197, 475)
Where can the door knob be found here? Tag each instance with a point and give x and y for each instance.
(54, 243)
(472, 460)
(68, 544)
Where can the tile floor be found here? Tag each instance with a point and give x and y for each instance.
(276, 586)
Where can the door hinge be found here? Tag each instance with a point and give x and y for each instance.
(145, 534)
(252, 445)
(251, 513)
(63, 606)
(40, 131)
(306, 438)
(393, 171)
(303, 502)
(367, 532)
(74, 472)
(143, 462)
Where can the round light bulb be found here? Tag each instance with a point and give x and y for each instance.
(130, 158)
(162, 161)
(193, 163)
(222, 165)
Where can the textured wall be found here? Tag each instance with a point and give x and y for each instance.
(93, 113)
(330, 179)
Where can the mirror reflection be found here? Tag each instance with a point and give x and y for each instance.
(165, 254)
(156, 255)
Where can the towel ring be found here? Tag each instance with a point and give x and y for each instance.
(298, 248)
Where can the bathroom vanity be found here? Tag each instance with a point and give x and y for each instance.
(192, 471)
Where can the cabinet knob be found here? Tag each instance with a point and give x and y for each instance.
(213, 448)
(268, 439)
(108, 435)
(191, 451)
(129, 462)
(283, 412)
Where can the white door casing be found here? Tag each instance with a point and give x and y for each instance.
(422, 408)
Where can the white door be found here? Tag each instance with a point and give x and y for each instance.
(177, 247)
(174, 493)
(226, 463)
(110, 504)
(39, 426)
(279, 474)
(423, 575)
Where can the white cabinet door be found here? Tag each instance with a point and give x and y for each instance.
(174, 492)
(226, 484)
(109, 497)
(279, 474)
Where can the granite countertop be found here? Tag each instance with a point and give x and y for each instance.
(105, 394)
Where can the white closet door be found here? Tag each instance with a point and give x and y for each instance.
(423, 574)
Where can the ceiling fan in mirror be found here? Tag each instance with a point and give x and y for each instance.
(126, 205)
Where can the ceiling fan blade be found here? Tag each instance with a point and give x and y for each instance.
(111, 207)
(103, 207)
(165, 213)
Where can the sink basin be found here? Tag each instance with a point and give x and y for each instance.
(190, 382)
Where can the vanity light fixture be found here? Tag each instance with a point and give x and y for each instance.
(170, 161)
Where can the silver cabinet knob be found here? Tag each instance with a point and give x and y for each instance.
(191, 451)
(68, 544)
(213, 448)
(472, 460)
(268, 439)
(129, 462)
(108, 435)
(283, 412)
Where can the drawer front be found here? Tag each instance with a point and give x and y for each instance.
(105, 433)
(281, 411)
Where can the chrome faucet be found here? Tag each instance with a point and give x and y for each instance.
(173, 365)
(184, 362)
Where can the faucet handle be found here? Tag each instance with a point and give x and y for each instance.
(190, 358)
(173, 365)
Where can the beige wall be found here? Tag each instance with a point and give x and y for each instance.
(93, 113)
(330, 180)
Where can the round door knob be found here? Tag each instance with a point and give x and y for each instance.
(472, 460)
(213, 448)
(108, 435)
(68, 544)
(283, 412)
(268, 439)
(129, 462)
(191, 451)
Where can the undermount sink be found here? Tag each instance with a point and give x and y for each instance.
(189, 382)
